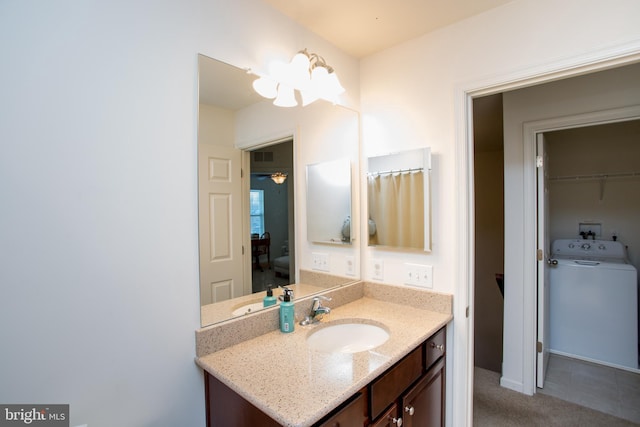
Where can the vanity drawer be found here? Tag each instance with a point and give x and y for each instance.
(435, 347)
(353, 414)
(391, 384)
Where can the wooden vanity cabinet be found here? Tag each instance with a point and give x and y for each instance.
(418, 403)
(410, 393)
(225, 407)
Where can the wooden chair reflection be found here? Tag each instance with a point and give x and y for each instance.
(261, 246)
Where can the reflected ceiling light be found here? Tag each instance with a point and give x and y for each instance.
(308, 73)
(278, 177)
(286, 97)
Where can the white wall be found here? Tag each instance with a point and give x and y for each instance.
(413, 96)
(615, 204)
(99, 256)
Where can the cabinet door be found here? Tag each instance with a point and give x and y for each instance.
(423, 404)
(390, 385)
(391, 418)
(228, 408)
(351, 415)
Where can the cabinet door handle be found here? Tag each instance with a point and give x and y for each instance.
(396, 421)
(438, 346)
(409, 409)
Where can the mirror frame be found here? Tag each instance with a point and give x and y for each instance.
(405, 161)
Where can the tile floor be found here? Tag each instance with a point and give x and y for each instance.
(606, 389)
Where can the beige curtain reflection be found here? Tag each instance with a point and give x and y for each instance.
(396, 205)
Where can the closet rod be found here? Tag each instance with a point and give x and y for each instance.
(595, 176)
(394, 171)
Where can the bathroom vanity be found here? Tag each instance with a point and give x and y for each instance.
(277, 379)
(412, 390)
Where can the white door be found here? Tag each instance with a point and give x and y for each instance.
(220, 223)
(544, 255)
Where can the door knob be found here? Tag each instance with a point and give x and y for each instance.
(552, 261)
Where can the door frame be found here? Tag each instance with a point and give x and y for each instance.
(246, 151)
(460, 399)
(530, 279)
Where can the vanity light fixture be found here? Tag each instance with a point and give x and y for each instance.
(308, 73)
(278, 177)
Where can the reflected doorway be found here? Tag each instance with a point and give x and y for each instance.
(271, 215)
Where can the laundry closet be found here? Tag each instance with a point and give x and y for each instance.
(594, 224)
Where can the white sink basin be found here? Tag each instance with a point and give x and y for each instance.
(247, 308)
(347, 337)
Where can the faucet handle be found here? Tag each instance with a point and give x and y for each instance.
(322, 297)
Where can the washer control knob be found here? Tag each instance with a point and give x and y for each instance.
(602, 247)
(585, 246)
(571, 245)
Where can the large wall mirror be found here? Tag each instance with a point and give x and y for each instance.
(252, 201)
(398, 197)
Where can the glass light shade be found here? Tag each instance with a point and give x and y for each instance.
(266, 87)
(319, 77)
(336, 87)
(299, 71)
(278, 177)
(286, 97)
(322, 84)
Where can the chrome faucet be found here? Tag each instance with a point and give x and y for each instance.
(317, 310)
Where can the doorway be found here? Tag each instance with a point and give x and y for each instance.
(270, 215)
(518, 320)
(489, 231)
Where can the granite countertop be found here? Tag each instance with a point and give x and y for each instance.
(296, 385)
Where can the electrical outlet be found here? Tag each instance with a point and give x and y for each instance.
(419, 275)
(320, 261)
(350, 269)
(378, 269)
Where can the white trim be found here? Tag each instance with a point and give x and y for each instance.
(614, 56)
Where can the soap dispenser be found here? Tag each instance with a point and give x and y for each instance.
(269, 300)
(287, 311)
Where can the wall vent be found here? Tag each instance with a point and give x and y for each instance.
(263, 156)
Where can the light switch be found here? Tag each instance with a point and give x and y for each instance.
(378, 269)
(320, 261)
(419, 275)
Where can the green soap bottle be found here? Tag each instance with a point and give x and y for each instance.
(269, 300)
(287, 311)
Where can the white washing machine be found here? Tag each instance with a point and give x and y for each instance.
(594, 302)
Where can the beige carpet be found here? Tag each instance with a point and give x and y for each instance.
(495, 406)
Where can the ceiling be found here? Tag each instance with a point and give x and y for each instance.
(357, 27)
(364, 27)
